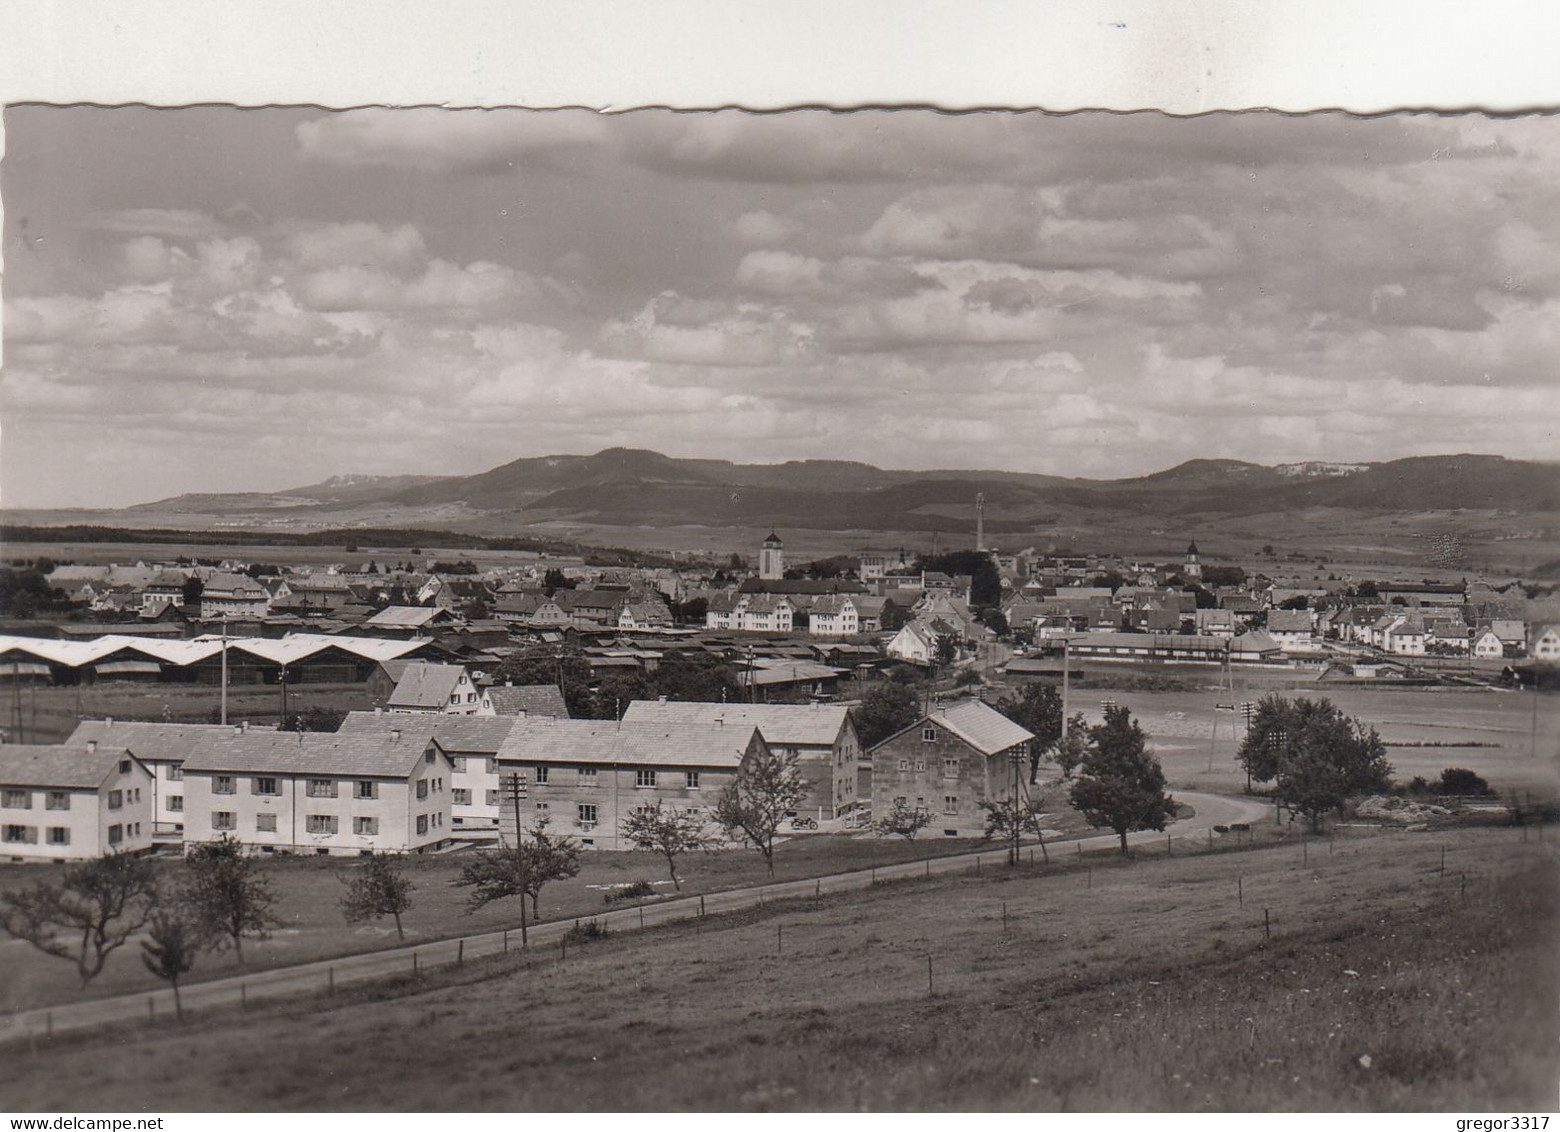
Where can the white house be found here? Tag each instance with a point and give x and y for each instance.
(833, 615)
(1546, 643)
(1487, 645)
(321, 792)
(72, 802)
(915, 642)
(437, 688)
(751, 613)
(1404, 637)
(234, 595)
(1291, 628)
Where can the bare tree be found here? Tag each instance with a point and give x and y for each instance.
(902, 821)
(170, 949)
(767, 788)
(1011, 819)
(668, 831)
(377, 889)
(227, 896)
(523, 871)
(86, 914)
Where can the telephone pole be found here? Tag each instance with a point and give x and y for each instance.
(515, 788)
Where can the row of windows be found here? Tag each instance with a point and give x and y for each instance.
(950, 804)
(269, 785)
(22, 799)
(312, 823)
(425, 821)
(542, 776)
(117, 798)
(950, 766)
(60, 835)
(471, 697)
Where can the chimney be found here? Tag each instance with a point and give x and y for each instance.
(109, 721)
(509, 683)
(660, 699)
(379, 711)
(91, 746)
(520, 714)
(244, 726)
(395, 735)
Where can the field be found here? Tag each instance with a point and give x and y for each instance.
(308, 891)
(1148, 985)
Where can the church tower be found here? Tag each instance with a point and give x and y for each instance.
(771, 559)
(1192, 572)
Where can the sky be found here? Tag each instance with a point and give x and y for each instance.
(220, 299)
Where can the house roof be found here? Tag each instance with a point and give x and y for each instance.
(532, 699)
(782, 725)
(407, 616)
(392, 753)
(457, 734)
(150, 742)
(65, 765)
(982, 727)
(426, 685)
(591, 741)
(1289, 621)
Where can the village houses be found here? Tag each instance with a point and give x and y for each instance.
(72, 801)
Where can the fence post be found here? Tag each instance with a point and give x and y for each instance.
(1305, 852)
(1169, 850)
(928, 866)
(701, 905)
(1004, 917)
(929, 991)
(1210, 837)
(874, 867)
(1443, 861)
(330, 973)
(1267, 927)
(1079, 844)
(1240, 890)
(642, 915)
(506, 938)
(563, 947)
(414, 962)
(243, 996)
(779, 939)
(817, 888)
(460, 953)
(977, 864)
(151, 1007)
(1463, 894)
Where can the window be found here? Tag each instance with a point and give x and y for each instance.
(224, 784)
(920, 764)
(471, 697)
(422, 823)
(691, 779)
(541, 775)
(587, 776)
(458, 764)
(124, 766)
(492, 798)
(928, 734)
(644, 778)
(116, 799)
(16, 799)
(904, 764)
(320, 823)
(422, 788)
(950, 804)
(428, 756)
(176, 774)
(174, 803)
(587, 814)
(266, 785)
(950, 768)
(116, 834)
(901, 800)
(454, 697)
(265, 823)
(365, 790)
(59, 835)
(321, 788)
(366, 827)
(56, 800)
(492, 764)
(19, 834)
(542, 808)
(224, 819)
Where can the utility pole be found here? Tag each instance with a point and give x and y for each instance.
(515, 788)
(224, 670)
(1066, 658)
(1016, 756)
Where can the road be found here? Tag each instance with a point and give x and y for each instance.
(323, 976)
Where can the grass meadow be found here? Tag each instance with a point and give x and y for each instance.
(1381, 982)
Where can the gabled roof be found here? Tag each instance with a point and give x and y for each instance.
(149, 742)
(982, 727)
(591, 741)
(393, 753)
(782, 725)
(457, 734)
(1289, 621)
(66, 766)
(426, 685)
(408, 616)
(532, 699)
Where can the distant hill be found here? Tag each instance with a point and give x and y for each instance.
(637, 487)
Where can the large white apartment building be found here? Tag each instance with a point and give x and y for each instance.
(72, 802)
(471, 742)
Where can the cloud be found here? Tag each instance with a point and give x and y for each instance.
(354, 244)
(176, 223)
(439, 141)
(441, 286)
(745, 334)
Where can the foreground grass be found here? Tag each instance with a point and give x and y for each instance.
(1144, 985)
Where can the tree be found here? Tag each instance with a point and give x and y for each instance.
(670, 832)
(228, 898)
(1121, 786)
(767, 788)
(170, 949)
(1070, 747)
(523, 870)
(902, 821)
(313, 719)
(994, 619)
(1038, 710)
(947, 650)
(378, 889)
(892, 618)
(86, 914)
(26, 593)
(885, 710)
(1316, 756)
(1010, 819)
(985, 582)
(554, 580)
(191, 590)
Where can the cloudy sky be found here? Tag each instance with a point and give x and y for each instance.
(215, 299)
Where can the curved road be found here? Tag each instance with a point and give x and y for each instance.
(313, 978)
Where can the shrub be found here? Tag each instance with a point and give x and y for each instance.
(631, 892)
(1463, 783)
(584, 931)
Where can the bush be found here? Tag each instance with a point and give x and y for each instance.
(1464, 783)
(584, 931)
(633, 891)
(1417, 788)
